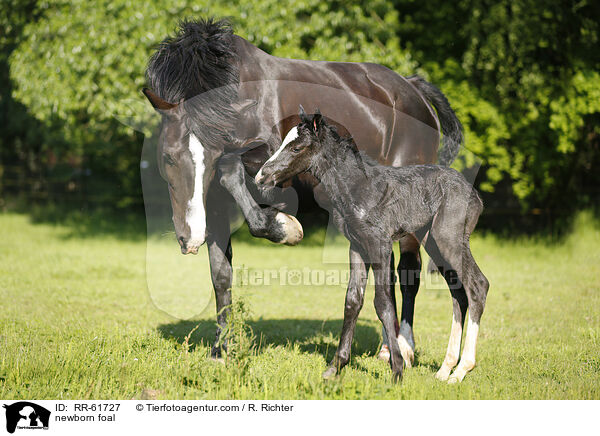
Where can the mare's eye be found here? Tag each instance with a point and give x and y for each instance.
(297, 149)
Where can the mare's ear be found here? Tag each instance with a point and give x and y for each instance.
(157, 102)
(317, 121)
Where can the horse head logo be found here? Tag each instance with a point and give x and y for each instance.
(24, 414)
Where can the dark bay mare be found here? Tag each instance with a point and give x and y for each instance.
(226, 107)
(374, 205)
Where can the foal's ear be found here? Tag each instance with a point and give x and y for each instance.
(317, 121)
(303, 117)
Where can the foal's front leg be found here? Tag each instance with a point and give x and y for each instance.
(409, 271)
(385, 307)
(266, 223)
(355, 294)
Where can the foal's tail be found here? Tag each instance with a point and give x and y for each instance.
(451, 127)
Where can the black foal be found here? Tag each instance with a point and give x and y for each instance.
(375, 205)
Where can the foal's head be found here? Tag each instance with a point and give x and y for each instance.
(299, 149)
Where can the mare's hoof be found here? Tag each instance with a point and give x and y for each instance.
(329, 373)
(406, 351)
(292, 229)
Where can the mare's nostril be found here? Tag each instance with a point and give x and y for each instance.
(181, 242)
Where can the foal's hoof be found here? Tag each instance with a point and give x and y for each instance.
(443, 373)
(396, 377)
(291, 228)
(453, 380)
(329, 373)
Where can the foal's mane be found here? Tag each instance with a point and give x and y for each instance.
(338, 144)
(199, 58)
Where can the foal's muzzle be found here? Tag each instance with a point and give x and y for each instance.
(265, 179)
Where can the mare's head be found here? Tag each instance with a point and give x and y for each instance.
(192, 76)
(188, 167)
(298, 151)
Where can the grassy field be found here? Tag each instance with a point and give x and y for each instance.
(82, 318)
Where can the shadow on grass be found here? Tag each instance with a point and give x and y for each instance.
(83, 224)
(310, 335)
(131, 224)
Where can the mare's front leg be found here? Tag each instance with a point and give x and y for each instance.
(355, 294)
(220, 256)
(266, 223)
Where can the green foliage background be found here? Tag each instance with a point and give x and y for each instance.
(522, 75)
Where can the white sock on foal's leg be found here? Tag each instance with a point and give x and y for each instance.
(452, 352)
(467, 360)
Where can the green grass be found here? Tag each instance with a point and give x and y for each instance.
(80, 320)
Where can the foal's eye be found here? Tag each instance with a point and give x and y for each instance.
(297, 149)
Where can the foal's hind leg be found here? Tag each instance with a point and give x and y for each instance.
(477, 287)
(459, 309)
(450, 246)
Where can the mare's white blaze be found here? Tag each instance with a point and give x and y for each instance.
(452, 352)
(196, 214)
(467, 360)
(291, 135)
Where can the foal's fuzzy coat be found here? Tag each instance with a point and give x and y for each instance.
(375, 205)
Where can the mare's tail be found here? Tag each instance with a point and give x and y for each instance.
(451, 127)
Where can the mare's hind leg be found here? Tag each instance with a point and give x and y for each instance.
(354, 301)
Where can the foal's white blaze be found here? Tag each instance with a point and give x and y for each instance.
(291, 135)
(196, 214)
